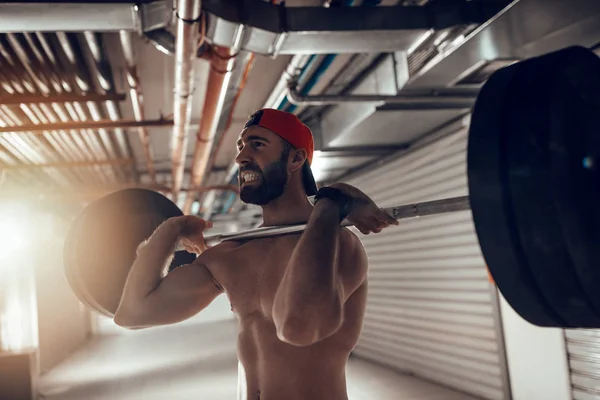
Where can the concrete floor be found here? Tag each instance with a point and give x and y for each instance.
(196, 362)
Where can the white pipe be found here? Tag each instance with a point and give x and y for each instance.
(68, 17)
(292, 71)
(188, 15)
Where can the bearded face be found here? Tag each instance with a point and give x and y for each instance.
(261, 186)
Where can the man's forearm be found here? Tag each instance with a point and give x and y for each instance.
(152, 257)
(310, 283)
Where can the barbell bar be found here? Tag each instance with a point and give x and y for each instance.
(533, 154)
(399, 212)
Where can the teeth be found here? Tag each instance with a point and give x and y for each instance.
(249, 177)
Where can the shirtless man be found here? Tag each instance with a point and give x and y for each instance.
(299, 298)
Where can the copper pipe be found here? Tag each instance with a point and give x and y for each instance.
(234, 102)
(188, 18)
(16, 99)
(137, 99)
(208, 200)
(221, 65)
(88, 125)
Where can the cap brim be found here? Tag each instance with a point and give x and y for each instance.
(310, 186)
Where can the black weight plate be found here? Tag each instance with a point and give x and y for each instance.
(102, 242)
(530, 183)
(575, 132)
(491, 204)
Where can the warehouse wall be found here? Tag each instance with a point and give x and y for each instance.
(428, 313)
(431, 310)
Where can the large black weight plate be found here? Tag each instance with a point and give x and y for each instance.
(576, 127)
(532, 183)
(490, 204)
(521, 152)
(102, 242)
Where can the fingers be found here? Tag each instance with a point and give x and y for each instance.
(374, 222)
(367, 225)
(385, 217)
(195, 224)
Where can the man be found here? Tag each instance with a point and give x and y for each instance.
(299, 298)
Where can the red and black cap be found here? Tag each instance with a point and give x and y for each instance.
(289, 127)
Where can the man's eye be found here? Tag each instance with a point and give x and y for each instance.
(257, 144)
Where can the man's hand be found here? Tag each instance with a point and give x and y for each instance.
(192, 233)
(364, 213)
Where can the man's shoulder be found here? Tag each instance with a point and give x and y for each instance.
(352, 252)
(350, 239)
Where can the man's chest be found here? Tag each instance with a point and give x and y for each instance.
(250, 274)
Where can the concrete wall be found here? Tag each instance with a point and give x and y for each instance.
(63, 322)
(537, 358)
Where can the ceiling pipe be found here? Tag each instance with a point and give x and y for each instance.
(221, 65)
(79, 16)
(429, 100)
(97, 124)
(186, 47)
(291, 72)
(137, 99)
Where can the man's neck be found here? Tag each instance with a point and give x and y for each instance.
(292, 207)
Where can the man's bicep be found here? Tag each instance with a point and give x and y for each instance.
(353, 263)
(183, 293)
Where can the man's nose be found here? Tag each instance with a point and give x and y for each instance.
(242, 158)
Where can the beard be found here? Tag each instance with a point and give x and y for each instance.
(271, 185)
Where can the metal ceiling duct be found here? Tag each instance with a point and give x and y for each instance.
(527, 28)
(275, 29)
(510, 35)
(98, 16)
(188, 33)
(265, 28)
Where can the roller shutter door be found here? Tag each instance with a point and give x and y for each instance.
(583, 348)
(431, 310)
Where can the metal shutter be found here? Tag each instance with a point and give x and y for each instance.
(431, 310)
(583, 348)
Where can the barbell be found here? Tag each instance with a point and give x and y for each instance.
(532, 164)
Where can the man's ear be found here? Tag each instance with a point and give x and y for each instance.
(297, 159)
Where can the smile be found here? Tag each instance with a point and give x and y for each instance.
(247, 177)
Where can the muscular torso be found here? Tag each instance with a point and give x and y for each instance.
(250, 273)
